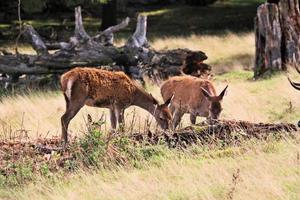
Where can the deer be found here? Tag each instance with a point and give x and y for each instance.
(107, 89)
(192, 95)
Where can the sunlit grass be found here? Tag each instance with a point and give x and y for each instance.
(269, 100)
(155, 12)
(225, 53)
(262, 170)
(238, 76)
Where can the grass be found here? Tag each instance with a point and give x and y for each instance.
(255, 170)
(269, 100)
(225, 53)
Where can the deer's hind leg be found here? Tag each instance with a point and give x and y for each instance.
(74, 102)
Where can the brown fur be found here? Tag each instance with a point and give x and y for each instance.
(102, 85)
(106, 89)
(189, 97)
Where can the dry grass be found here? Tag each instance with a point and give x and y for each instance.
(253, 171)
(227, 52)
(267, 170)
(271, 100)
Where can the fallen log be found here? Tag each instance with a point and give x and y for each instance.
(225, 132)
(50, 152)
(134, 57)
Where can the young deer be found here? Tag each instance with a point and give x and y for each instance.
(105, 89)
(192, 95)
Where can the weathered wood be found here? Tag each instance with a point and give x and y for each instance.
(290, 23)
(95, 51)
(80, 32)
(35, 40)
(139, 38)
(277, 30)
(106, 37)
(267, 39)
(176, 62)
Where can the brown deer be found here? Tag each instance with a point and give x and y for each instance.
(106, 89)
(192, 95)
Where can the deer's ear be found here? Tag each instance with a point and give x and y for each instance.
(223, 93)
(168, 101)
(205, 93)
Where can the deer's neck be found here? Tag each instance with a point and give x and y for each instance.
(144, 100)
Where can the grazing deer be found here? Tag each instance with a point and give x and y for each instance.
(192, 95)
(105, 89)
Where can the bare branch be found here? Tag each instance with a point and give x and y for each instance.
(80, 32)
(107, 35)
(35, 40)
(138, 39)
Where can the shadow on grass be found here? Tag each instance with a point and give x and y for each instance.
(235, 16)
(227, 15)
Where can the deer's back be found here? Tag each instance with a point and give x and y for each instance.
(101, 84)
(187, 92)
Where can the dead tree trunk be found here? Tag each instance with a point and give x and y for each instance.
(277, 30)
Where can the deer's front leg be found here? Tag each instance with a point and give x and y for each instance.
(119, 113)
(113, 119)
(176, 118)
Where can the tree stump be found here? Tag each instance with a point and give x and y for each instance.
(277, 30)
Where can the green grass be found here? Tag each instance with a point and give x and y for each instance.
(235, 76)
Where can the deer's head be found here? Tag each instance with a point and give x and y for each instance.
(215, 106)
(162, 113)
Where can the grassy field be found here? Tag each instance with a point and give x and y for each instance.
(253, 170)
(263, 169)
(269, 100)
